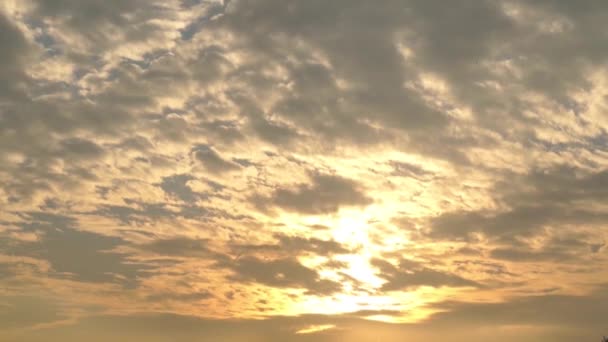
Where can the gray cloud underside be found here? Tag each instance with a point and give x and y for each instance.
(326, 194)
(548, 203)
(410, 274)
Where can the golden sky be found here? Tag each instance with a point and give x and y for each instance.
(303, 170)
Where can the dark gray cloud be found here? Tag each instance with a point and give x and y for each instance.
(180, 297)
(410, 274)
(176, 186)
(94, 21)
(376, 70)
(226, 131)
(321, 247)
(76, 254)
(555, 197)
(283, 273)
(273, 132)
(80, 148)
(182, 247)
(14, 52)
(137, 143)
(409, 170)
(583, 313)
(465, 46)
(326, 194)
(212, 160)
(570, 250)
(137, 214)
(248, 265)
(294, 245)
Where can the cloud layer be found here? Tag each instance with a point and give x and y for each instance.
(242, 170)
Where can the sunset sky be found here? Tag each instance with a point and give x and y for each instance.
(303, 170)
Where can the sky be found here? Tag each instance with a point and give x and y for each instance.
(303, 170)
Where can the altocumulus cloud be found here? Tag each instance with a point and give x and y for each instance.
(244, 170)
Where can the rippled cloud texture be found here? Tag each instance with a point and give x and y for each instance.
(303, 170)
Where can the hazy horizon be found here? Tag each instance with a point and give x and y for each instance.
(303, 170)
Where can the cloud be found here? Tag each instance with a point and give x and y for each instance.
(318, 246)
(27, 311)
(326, 194)
(183, 247)
(180, 297)
(410, 274)
(168, 153)
(534, 201)
(295, 245)
(177, 186)
(212, 161)
(556, 249)
(463, 322)
(76, 254)
(409, 170)
(141, 213)
(283, 273)
(551, 310)
(16, 50)
(80, 148)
